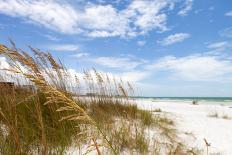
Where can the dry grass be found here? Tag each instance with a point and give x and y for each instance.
(225, 116)
(218, 115)
(55, 116)
(214, 114)
(157, 110)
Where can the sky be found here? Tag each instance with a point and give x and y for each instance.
(164, 47)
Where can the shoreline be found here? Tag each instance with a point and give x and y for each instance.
(199, 121)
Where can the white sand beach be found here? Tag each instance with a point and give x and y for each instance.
(195, 120)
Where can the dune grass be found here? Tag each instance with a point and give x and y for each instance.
(216, 114)
(213, 114)
(54, 117)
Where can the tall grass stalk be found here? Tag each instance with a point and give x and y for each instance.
(48, 76)
(54, 115)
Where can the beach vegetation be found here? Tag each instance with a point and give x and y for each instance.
(219, 115)
(52, 111)
(213, 114)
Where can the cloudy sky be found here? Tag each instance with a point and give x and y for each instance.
(166, 47)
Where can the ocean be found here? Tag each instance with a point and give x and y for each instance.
(203, 100)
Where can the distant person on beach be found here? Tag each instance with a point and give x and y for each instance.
(194, 102)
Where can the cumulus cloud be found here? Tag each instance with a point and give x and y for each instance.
(3, 63)
(137, 18)
(47, 13)
(147, 15)
(130, 76)
(94, 20)
(174, 38)
(195, 67)
(134, 76)
(4, 75)
(186, 8)
(8, 75)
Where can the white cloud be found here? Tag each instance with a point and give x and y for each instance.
(3, 63)
(95, 20)
(174, 38)
(141, 43)
(227, 32)
(195, 67)
(8, 75)
(218, 45)
(147, 15)
(134, 76)
(124, 63)
(186, 8)
(138, 17)
(80, 55)
(228, 13)
(103, 21)
(50, 37)
(198, 67)
(64, 47)
(50, 14)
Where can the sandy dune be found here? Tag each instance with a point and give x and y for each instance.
(195, 119)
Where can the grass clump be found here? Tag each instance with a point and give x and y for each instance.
(54, 116)
(157, 110)
(224, 116)
(217, 115)
(214, 114)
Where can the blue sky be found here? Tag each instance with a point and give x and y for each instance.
(166, 47)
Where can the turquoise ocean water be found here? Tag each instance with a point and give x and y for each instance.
(204, 100)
